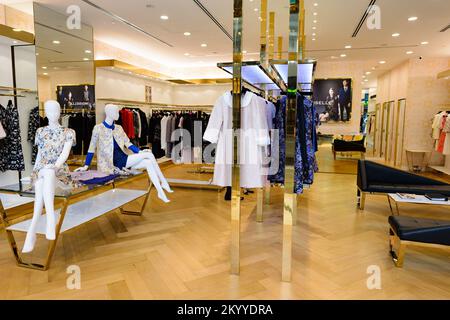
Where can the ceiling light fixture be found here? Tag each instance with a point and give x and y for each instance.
(314, 34)
(45, 74)
(367, 80)
(256, 9)
(315, 13)
(85, 59)
(17, 30)
(412, 18)
(382, 62)
(15, 42)
(56, 42)
(315, 21)
(409, 52)
(37, 53)
(343, 55)
(313, 39)
(424, 42)
(316, 4)
(314, 28)
(368, 72)
(44, 68)
(348, 47)
(187, 34)
(186, 54)
(204, 45)
(164, 17)
(395, 35)
(245, 51)
(87, 51)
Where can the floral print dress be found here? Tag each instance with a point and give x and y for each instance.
(50, 143)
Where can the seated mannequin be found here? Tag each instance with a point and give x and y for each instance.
(54, 144)
(110, 140)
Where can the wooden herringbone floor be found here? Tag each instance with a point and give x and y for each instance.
(181, 251)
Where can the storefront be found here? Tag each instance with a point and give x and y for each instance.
(224, 149)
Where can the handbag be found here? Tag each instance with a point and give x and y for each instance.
(2, 132)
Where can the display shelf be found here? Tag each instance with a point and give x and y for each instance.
(441, 169)
(86, 210)
(10, 201)
(205, 184)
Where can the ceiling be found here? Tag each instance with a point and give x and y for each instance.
(336, 22)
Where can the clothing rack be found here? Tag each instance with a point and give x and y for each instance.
(11, 95)
(153, 105)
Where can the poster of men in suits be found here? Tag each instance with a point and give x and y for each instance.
(333, 99)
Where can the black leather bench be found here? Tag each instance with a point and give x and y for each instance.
(340, 145)
(409, 231)
(376, 178)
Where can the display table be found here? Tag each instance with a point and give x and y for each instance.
(417, 160)
(73, 207)
(418, 199)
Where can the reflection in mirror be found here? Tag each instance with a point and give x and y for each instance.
(65, 67)
(18, 94)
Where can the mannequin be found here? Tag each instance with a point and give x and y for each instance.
(54, 145)
(111, 155)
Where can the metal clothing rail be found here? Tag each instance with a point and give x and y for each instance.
(152, 104)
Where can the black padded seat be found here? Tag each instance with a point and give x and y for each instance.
(415, 189)
(421, 230)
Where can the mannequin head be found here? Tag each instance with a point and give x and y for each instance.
(112, 112)
(52, 111)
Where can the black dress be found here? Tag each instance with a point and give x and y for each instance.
(33, 125)
(11, 148)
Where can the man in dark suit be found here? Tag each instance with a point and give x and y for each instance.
(345, 101)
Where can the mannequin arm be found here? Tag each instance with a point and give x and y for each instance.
(64, 155)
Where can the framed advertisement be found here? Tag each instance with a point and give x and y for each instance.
(148, 94)
(332, 99)
(76, 97)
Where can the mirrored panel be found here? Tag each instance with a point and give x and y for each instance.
(65, 68)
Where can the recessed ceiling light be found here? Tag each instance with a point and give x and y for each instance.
(314, 21)
(348, 47)
(373, 68)
(37, 53)
(364, 77)
(412, 18)
(256, 9)
(333, 57)
(45, 74)
(85, 59)
(316, 4)
(367, 80)
(313, 39)
(368, 72)
(204, 45)
(14, 41)
(395, 35)
(56, 42)
(424, 42)
(314, 28)
(409, 52)
(87, 51)
(44, 68)
(245, 51)
(343, 55)
(382, 62)
(186, 54)
(17, 30)
(164, 17)
(187, 33)
(315, 13)
(314, 34)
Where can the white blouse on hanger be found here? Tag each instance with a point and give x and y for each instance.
(254, 137)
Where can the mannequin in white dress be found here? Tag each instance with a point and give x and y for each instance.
(54, 145)
(110, 139)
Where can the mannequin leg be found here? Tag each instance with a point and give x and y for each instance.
(135, 159)
(49, 198)
(147, 164)
(30, 239)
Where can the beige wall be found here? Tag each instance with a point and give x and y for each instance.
(199, 94)
(16, 19)
(416, 80)
(351, 69)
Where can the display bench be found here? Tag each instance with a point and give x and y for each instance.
(73, 207)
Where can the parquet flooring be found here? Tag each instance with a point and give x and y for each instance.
(180, 250)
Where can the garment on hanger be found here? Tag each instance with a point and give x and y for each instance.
(163, 125)
(33, 125)
(50, 143)
(280, 156)
(143, 138)
(254, 137)
(443, 134)
(11, 151)
(126, 120)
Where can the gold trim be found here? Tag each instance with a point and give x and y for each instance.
(202, 81)
(444, 74)
(112, 63)
(23, 36)
(152, 104)
(271, 34)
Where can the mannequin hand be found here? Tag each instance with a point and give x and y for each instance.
(82, 169)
